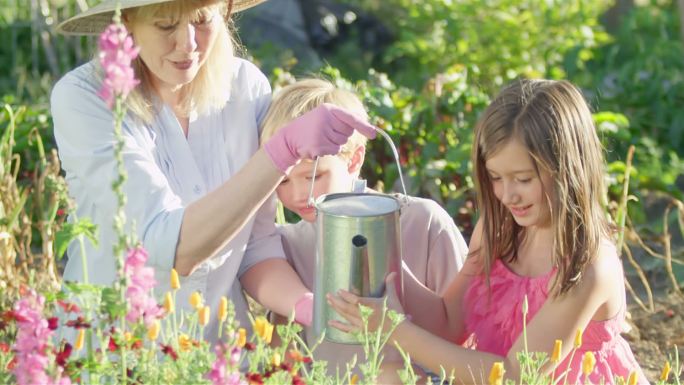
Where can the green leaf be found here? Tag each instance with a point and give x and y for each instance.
(70, 231)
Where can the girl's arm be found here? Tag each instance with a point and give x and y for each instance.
(443, 315)
(596, 296)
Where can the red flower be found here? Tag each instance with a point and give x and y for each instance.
(12, 364)
(4, 347)
(68, 307)
(285, 366)
(137, 344)
(254, 379)
(250, 346)
(53, 323)
(112, 346)
(62, 357)
(11, 315)
(168, 350)
(78, 323)
(296, 380)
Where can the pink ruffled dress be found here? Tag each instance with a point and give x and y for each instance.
(494, 325)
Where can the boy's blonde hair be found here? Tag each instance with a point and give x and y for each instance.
(210, 88)
(552, 119)
(304, 95)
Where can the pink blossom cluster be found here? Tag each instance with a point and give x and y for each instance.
(117, 52)
(32, 343)
(138, 293)
(219, 374)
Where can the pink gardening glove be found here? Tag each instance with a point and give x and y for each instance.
(321, 131)
(304, 310)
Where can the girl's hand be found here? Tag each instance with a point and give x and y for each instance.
(347, 304)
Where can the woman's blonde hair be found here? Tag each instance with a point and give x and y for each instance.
(304, 95)
(553, 121)
(210, 88)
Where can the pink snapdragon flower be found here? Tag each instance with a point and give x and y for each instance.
(219, 374)
(32, 343)
(117, 52)
(138, 293)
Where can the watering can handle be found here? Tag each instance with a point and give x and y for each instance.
(310, 202)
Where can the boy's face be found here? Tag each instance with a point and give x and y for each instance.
(334, 174)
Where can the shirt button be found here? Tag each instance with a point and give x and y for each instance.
(197, 189)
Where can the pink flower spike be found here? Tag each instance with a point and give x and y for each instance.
(117, 52)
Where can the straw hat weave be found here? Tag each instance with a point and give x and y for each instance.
(96, 19)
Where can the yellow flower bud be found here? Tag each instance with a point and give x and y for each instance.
(666, 371)
(80, 339)
(275, 359)
(168, 304)
(223, 309)
(588, 362)
(175, 281)
(578, 338)
(496, 374)
(128, 336)
(241, 337)
(354, 380)
(196, 300)
(204, 315)
(153, 331)
(557, 347)
(632, 379)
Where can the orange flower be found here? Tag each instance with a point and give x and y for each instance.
(666, 371)
(241, 338)
(168, 304)
(204, 315)
(578, 338)
(263, 329)
(632, 379)
(175, 281)
(223, 309)
(153, 331)
(184, 342)
(80, 339)
(588, 363)
(275, 359)
(496, 374)
(354, 380)
(557, 347)
(196, 300)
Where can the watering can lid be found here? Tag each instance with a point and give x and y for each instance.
(357, 204)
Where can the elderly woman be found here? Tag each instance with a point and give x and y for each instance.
(199, 189)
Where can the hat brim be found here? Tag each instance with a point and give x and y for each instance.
(94, 20)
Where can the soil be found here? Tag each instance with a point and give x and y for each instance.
(654, 335)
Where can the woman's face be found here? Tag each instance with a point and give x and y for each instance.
(174, 49)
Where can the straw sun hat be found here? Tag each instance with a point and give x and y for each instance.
(94, 20)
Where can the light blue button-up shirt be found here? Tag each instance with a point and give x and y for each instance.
(166, 172)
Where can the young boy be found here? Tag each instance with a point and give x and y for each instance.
(433, 248)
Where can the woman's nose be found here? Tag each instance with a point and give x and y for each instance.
(185, 39)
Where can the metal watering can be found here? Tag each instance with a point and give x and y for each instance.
(358, 242)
